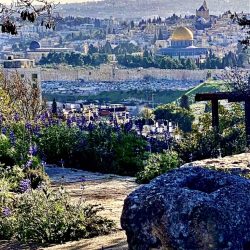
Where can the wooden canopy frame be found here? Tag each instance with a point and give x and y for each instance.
(231, 97)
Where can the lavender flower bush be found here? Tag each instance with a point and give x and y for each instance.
(46, 215)
(112, 149)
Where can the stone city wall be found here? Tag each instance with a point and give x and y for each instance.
(109, 73)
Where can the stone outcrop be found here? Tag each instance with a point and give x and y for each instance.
(189, 209)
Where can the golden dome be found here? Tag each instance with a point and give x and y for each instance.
(182, 33)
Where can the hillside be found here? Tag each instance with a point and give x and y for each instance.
(140, 8)
(208, 86)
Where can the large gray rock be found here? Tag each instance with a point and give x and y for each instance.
(189, 209)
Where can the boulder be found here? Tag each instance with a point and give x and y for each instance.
(189, 209)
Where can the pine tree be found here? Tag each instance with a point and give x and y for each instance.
(155, 39)
(184, 102)
(54, 107)
(244, 22)
(160, 35)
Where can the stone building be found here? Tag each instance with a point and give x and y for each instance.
(203, 11)
(36, 51)
(26, 69)
(182, 45)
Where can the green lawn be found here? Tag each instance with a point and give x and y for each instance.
(131, 96)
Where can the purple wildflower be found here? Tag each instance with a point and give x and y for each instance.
(4, 131)
(24, 185)
(32, 150)
(6, 212)
(69, 122)
(28, 164)
(82, 179)
(37, 130)
(12, 138)
(16, 117)
(43, 118)
(73, 119)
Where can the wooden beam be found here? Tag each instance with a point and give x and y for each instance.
(215, 113)
(247, 120)
(230, 96)
(212, 96)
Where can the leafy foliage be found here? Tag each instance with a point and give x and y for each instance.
(74, 59)
(244, 22)
(20, 96)
(178, 115)
(26, 10)
(158, 164)
(46, 215)
(204, 142)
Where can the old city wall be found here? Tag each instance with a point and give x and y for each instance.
(115, 74)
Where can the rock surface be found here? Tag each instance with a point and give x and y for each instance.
(189, 209)
(235, 164)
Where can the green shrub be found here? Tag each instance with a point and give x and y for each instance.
(46, 215)
(158, 164)
(183, 117)
(129, 152)
(109, 151)
(59, 142)
(6, 151)
(15, 174)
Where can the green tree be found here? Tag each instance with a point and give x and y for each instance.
(157, 164)
(92, 49)
(54, 107)
(190, 64)
(184, 118)
(107, 49)
(184, 102)
(160, 35)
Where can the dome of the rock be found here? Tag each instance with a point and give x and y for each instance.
(182, 34)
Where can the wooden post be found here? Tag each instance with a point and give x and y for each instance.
(215, 113)
(247, 120)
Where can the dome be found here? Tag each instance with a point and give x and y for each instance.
(35, 45)
(182, 34)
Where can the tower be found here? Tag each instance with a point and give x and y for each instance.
(203, 11)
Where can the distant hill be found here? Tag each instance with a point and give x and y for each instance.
(146, 8)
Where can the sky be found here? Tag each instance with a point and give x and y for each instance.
(61, 1)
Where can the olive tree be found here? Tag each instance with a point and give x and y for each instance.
(14, 15)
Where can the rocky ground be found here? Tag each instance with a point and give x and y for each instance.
(110, 191)
(236, 164)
